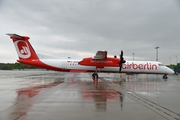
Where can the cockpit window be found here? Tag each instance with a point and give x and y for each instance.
(161, 65)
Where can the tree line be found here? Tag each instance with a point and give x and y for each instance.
(176, 67)
(12, 66)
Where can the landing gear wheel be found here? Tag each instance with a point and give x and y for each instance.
(95, 78)
(165, 76)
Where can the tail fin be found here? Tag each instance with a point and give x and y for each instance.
(23, 47)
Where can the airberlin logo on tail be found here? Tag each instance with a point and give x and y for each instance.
(22, 49)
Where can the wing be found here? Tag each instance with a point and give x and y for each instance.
(100, 55)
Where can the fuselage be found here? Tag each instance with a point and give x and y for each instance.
(72, 65)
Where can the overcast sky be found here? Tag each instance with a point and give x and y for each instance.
(79, 28)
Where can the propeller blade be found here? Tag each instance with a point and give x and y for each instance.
(121, 53)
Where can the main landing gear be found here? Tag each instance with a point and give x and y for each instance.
(165, 76)
(95, 78)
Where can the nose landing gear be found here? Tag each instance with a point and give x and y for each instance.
(165, 76)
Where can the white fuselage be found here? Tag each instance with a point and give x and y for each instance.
(139, 67)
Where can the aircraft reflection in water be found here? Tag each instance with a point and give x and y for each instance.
(26, 97)
(24, 102)
(101, 95)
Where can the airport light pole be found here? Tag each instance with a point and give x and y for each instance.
(157, 53)
(133, 56)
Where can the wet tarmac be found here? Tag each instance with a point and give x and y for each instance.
(49, 95)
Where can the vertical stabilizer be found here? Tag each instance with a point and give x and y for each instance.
(23, 47)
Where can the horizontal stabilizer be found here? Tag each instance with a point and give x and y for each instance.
(15, 35)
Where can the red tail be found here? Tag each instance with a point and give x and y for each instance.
(24, 49)
(26, 53)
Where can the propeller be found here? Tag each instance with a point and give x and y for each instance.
(121, 61)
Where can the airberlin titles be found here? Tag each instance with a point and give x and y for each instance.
(114, 62)
(146, 66)
(111, 62)
(101, 61)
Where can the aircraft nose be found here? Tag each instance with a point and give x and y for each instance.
(170, 71)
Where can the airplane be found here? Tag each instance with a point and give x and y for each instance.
(99, 63)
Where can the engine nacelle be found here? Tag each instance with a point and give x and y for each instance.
(100, 63)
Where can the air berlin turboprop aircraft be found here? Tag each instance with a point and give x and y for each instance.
(99, 63)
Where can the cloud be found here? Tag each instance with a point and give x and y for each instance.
(75, 28)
